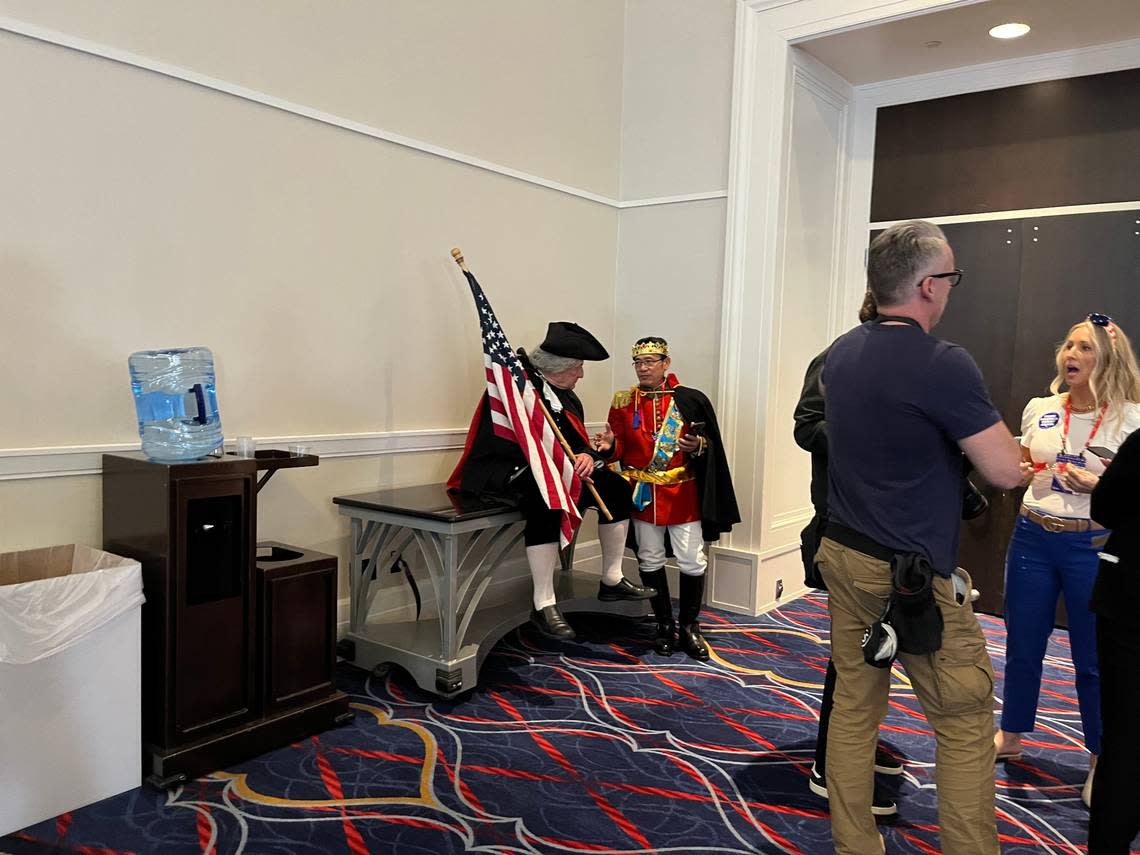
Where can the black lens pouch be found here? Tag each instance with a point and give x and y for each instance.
(809, 543)
(914, 613)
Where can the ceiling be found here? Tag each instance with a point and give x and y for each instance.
(899, 48)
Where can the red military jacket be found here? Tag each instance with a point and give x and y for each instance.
(634, 441)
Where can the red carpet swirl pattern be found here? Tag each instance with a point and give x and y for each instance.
(596, 746)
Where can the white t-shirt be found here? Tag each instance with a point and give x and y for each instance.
(1042, 425)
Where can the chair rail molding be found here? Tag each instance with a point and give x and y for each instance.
(28, 463)
(17, 464)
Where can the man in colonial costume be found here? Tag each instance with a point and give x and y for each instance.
(666, 438)
(494, 466)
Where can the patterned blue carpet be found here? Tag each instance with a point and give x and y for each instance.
(594, 746)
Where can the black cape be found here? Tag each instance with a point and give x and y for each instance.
(719, 512)
(489, 462)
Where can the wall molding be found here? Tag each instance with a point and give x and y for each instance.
(794, 519)
(19, 464)
(673, 200)
(798, 20)
(811, 78)
(1023, 214)
(1077, 62)
(61, 461)
(186, 75)
(754, 239)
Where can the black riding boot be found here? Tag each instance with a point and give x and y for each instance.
(692, 593)
(664, 640)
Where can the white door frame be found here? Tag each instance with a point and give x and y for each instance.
(766, 31)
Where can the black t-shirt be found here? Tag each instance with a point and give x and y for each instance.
(898, 401)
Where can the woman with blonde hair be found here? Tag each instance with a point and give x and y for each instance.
(1067, 439)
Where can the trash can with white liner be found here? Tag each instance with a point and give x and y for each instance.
(70, 695)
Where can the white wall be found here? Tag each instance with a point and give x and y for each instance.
(670, 262)
(282, 183)
(677, 85)
(677, 95)
(525, 84)
(142, 210)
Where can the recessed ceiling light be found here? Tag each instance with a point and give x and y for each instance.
(1009, 31)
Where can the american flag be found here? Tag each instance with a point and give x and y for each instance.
(517, 416)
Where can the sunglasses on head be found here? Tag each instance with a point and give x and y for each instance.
(1101, 320)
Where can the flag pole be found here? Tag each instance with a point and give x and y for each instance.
(593, 490)
(458, 256)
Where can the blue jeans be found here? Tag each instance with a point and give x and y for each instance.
(1039, 566)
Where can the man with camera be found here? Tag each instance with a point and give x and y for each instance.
(902, 406)
(666, 437)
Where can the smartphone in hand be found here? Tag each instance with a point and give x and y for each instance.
(697, 428)
(1102, 452)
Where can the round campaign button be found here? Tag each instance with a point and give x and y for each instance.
(1049, 420)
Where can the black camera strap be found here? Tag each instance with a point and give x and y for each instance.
(899, 319)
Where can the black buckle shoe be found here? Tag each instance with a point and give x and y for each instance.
(624, 590)
(549, 621)
(693, 643)
(665, 639)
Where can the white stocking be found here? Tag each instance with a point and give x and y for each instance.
(612, 538)
(542, 560)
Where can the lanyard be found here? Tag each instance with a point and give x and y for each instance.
(1065, 429)
(901, 319)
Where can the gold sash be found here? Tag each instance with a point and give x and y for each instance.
(677, 475)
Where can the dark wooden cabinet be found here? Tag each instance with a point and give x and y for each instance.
(213, 651)
(238, 653)
(297, 623)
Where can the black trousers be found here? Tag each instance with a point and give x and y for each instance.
(810, 539)
(542, 524)
(825, 705)
(1114, 819)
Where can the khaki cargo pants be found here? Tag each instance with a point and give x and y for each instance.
(955, 687)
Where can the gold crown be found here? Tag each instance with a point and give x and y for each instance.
(646, 348)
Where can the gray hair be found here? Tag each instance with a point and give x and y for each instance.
(549, 363)
(897, 256)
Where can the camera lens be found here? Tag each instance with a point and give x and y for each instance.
(974, 504)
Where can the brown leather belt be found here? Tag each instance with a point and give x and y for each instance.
(1060, 523)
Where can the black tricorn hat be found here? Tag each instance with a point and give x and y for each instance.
(564, 338)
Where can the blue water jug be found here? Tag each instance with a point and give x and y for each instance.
(176, 402)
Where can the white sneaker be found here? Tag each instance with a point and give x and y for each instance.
(880, 804)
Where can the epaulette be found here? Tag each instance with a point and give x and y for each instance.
(622, 399)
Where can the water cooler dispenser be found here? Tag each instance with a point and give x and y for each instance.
(238, 639)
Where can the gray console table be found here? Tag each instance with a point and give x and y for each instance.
(462, 540)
